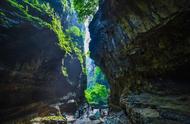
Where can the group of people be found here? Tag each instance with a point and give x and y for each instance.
(87, 110)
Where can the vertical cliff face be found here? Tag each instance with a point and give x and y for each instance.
(143, 48)
(32, 56)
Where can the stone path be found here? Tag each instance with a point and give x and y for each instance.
(113, 118)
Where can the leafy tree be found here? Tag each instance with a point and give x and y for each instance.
(97, 94)
(85, 8)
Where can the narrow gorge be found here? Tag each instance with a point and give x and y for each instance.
(94, 62)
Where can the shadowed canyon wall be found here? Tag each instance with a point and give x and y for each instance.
(31, 59)
(143, 47)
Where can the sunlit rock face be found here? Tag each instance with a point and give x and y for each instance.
(31, 63)
(144, 46)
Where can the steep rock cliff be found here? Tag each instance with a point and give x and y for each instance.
(143, 48)
(31, 59)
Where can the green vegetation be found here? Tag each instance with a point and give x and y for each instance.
(25, 10)
(88, 54)
(97, 70)
(74, 30)
(48, 118)
(85, 8)
(64, 71)
(2, 13)
(65, 4)
(97, 94)
(99, 76)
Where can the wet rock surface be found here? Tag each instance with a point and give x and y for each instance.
(152, 108)
(116, 118)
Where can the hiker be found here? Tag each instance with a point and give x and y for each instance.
(87, 113)
(92, 108)
(64, 115)
(108, 113)
(100, 111)
(80, 113)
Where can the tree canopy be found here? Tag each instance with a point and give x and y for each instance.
(97, 94)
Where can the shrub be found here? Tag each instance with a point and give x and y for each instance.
(97, 94)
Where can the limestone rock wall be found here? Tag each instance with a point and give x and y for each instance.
(31, 63)
(143, 47)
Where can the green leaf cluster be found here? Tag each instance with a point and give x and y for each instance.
(97, 94)
(98, 75)
(74, 30)
(97, 70)
(65, 4)
(64, 71)
(85, 8)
